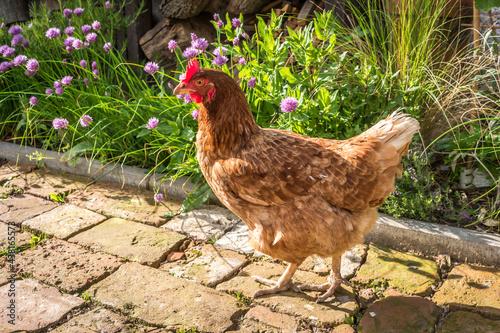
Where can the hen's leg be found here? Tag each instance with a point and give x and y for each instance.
(333, 283)
(284, 282)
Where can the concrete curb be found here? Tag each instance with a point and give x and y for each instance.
(429, 238)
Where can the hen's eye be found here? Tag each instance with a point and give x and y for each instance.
(199, 82)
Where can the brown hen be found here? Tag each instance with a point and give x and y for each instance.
(299, 196)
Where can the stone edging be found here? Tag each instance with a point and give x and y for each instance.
(429, 238)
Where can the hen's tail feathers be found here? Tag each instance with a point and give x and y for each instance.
(397, 129)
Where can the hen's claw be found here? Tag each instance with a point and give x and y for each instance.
(275, 287)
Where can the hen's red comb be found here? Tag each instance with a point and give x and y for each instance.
(192, 68)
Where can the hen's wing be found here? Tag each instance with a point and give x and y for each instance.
(277, 167)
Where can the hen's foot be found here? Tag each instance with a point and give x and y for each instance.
(275, 286)
(284, 282)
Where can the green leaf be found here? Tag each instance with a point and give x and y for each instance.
(319, 32)
(287, 74)
(142, 133)
(79, 148)
(486, 5)
(187, 133)
(196, 198)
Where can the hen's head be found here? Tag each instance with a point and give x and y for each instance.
(198, 83)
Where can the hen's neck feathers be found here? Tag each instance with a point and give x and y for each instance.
(225, 122)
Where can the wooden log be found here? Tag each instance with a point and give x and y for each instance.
(143, 24)
(14, 11)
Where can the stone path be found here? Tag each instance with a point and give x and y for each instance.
(107, 259)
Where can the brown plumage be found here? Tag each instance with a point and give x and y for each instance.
(299, 196)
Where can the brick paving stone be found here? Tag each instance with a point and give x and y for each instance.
(21, 207)
(156, 297)
(131, 240)
(127, 202)
(351, 260)
(36, 306)
(473, 288)
(302, 304)
(270, 321)
(43, 182)
(102, 320)
(10, 170)
(22, 238)
(400, 314)
(394, 269)
(5, 192)
(64, 221)
(469, 322)
(65, 265)
(206, 264)
(205, 224)
(236, 239)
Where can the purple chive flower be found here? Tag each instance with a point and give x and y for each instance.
(236, 22)
(245, 35)
(69, 31)
(57, 84)
(190, 52)
(200, 44)
(59, 91)
(86, 44)
(16, 40)
(152, 123)
(242, 61)
(218, 49)
(69, 49)
(86, 29)
(195, 114)
(220, 24)
(78, 11)
(4, 66)
(172, 45)
(170, 85)
(251, 82)
(182, 76)
(236, 41)
(158, 197)
(96, 25)
(464, 215)
(86, 81)
(187, 99)
(60, 123)
(83, 63)
(94, 65)
(180, 96)
(91, 37)
(193, 37)
(2, 26)
(32, 65)
(216, 17)
(65, 62)
(151, 67)
(67, 13)
(77, 44)
(96, 73)
(3, 48)
(70, 22)
(108, 5)
(29, 73)
(69, 41)
(33, 100)
(48, 91)
(15, 30)
(20, 60)
(107, 47)
(53, 33)
(219, 60)
(289, 104)
(26, 43)
(85, 120)
(9, 52)
(66, 81)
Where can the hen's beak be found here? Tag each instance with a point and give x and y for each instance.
(181, 89)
